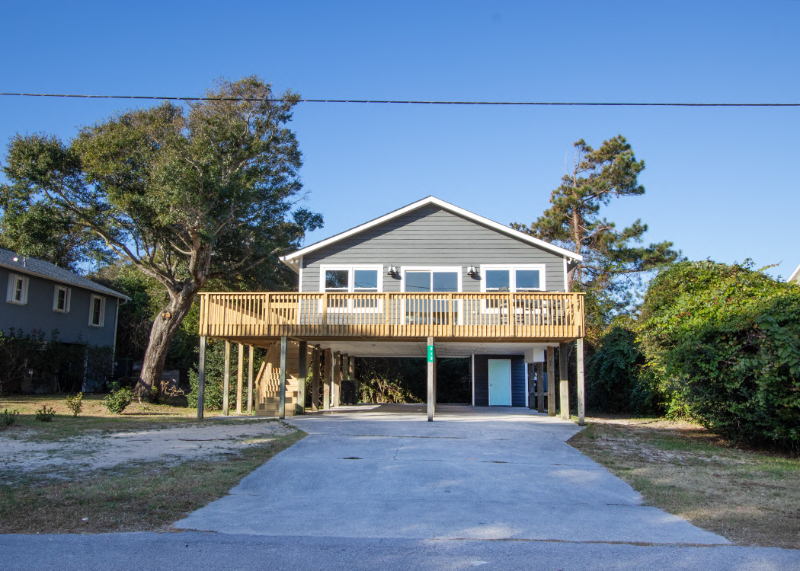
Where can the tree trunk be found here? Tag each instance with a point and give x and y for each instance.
(165, 326)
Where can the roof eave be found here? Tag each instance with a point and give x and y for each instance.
(109, 292)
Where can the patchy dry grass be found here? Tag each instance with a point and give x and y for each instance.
(131, 495)
(150, 496)
(748, 496)
(94, 417)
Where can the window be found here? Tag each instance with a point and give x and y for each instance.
(431, 280)
(512, 278)
(351, 279)
(61, 298)
(17, 289)
(97, 311)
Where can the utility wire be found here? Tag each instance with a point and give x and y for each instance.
(412, 102)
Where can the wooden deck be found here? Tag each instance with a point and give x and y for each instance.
(393, 316)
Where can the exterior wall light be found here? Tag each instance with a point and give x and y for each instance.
(392, 271)
(472, 272)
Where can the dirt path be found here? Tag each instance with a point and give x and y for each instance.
(72, 457)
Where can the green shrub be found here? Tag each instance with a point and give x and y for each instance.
(45, 414)
(9, 418)
(75, 404)
(615, 379)
(724, 340)
(215, 365)
(118, 400)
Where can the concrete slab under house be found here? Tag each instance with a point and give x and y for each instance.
(429, 280)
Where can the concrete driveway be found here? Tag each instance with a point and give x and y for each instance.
(385, 472)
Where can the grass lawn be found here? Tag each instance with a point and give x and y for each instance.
(128, 497)
(751, 497)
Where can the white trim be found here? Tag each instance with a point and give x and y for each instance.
(473, 379)
(102, 310)
(13, 279)
(566, 281)
(512, 277)
(67, 296)
(795, 275)
(290, 259)
(300, 272)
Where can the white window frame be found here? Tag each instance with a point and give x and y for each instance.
(512, 275)
(67, 296)
(351, 268)
(13, 279)
(102, 310)
(458, 270)
(512, 281)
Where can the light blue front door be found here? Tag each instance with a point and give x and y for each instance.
(499, 382)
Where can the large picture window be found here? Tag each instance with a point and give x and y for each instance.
(433, 309)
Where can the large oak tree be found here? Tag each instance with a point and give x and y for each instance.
(186, 193)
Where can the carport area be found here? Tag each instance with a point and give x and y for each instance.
(383, 471)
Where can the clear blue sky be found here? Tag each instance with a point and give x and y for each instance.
(720, 182)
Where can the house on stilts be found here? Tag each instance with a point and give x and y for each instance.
(427, 280)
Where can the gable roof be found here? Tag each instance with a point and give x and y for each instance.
(795, 275)
(292, 260)
(52, 272)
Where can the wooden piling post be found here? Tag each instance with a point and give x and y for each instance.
(337, 377)
(352, 375)
(563, 367)
(201, 379)
(431, 357)
(250, 365)
(551, 381)
(581, 396)
(282, 395)
(240, 379)
(303, 374)
(315, 379)
(326, 385)
(226, 378)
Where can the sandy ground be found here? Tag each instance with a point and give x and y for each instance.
(69, 458)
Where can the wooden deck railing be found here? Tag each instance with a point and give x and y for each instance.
(398, 315)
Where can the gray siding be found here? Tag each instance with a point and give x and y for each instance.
(38, 313)
(431, 236)
(481, 373)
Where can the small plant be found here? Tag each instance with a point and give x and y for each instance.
(75, 404)
(45, 414)
(118, 400)
(9, 418)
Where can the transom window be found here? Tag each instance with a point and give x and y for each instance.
(509, 278)
(61, 298)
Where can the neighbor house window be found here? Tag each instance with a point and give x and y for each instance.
(97, 311)
(17, 289)
(61, 299)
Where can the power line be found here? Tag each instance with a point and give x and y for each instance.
(412, 102)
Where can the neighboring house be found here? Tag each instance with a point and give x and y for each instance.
(40, 296)
(795, 277)
(428, 274)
